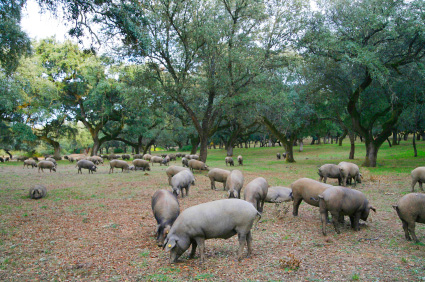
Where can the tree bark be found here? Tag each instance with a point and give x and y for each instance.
(352, 145)
(395, 137)
(371, 154)
(414, 146)
(344, 134)
(194, 141)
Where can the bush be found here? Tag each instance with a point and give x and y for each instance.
(186, 148)
(118, 151)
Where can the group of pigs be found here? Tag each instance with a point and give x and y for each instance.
(225, 218)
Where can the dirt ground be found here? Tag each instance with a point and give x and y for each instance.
(100, 227)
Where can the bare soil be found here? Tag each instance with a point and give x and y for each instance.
(100, 227)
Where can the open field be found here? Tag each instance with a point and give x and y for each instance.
(100, 227)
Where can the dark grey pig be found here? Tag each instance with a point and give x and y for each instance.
(173, 170)
(38, 192)
(182, 179)
(306, 189)
(218, 219)
(256, 192)
(118, 164)
(86, 164)
(278, 194)
(340, 201)
(410, 209)
(329, 171)
(166, 209)
(46, 164)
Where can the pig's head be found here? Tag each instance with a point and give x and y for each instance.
(176, 246)
(54, 169)
(233, 193)
(161, 233)
(176, 191)
(93, 168)
(366, 211)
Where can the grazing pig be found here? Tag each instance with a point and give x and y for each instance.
(138, 156)
(349, 171)
(86, 164)
(38, 192)
(182, 179)
(256, 192)
(418, 175)
(166, 160)
(173, 170)
(229, 160)
(193, 157)
(219, 175)
(142, 164)
(70, 159)
(194, 164)
(306, 189)
(278, 156)
(147, 157)
(240, 160)
(410, 209)
(52, 160)
(125, 157)
(165, 209)
(96, 160)
(29, 163)
(46, 164)
(178, 155)
(329, 171)
(234, 183)
(119, 164)
(340, 201)
(185, 162)
(278, 194)
(218, 219)
(172, 157)
(156, 159)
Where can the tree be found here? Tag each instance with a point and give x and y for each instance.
(371, 44)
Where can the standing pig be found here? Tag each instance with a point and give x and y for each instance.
(86, 164)
(218, 219)
(234, 183)
(219, 175)
(278, 156)
(52, 160)
(182, 179)
(329, 171)
(194, 164)
(147, 157)
(229, 160)
(306, 189)
(410, 209)
(29, 163)
(173, 170)
(142, 164)
(278, 194)
(156, 159)
(256, 192)
(46, 164)
(418, 175)
(240, 160)
(349, 171)
(123, 165)
(166, 209)
(340, 201)
(166, 160)
(185, 162)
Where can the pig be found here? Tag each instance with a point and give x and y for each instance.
(125, 157)
(182, 180)
(166, 209)
(410, 209)
(96, 160)
(278, 156)
(329, 171)
(37, 192)
(216, 219)
(142, 164)
(138, 156)
(86, 164)
(418, 175)
(46, 164)
(29, 163)
(172, 157)
(52, 160)
(185, 162)
(340, 201)
(229, 160)
(278, 194)
(193, 157)
(194, 164)
(173, 170)
(118, 164)
(147, 157)
(166, 160)
(219, 175)
(70, 159)
(305, 189)
(156, 159)
(256, 192)
(234, 183)
(178, 155)
(240, 160)
(349, 171)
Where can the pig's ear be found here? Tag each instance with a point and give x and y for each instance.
(170, 244)
(372, 208)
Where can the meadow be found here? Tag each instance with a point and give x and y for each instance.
(100, 227)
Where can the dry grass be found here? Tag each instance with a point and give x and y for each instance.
(100, 228)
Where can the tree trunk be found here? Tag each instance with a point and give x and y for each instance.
(229, 151)
(371, 154)
(389, 142)
(8, 152)
(96, 146)
(301, 145)
(203, 150)
(344, 134)
(352, 145)
(414, 145)
(290, 152)
(57, 149)
(194, 141)
(395, 137)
